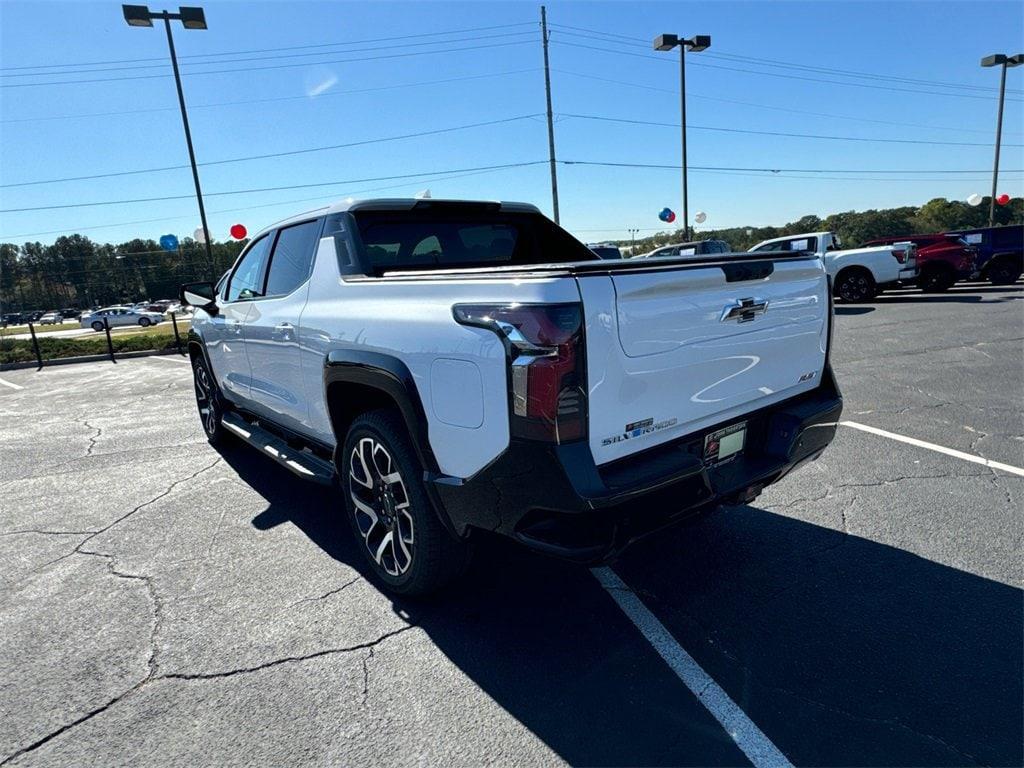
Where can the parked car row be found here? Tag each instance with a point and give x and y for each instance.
(118, 316)
(933, 262)
(57, 316)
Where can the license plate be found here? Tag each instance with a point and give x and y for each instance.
(725, 443)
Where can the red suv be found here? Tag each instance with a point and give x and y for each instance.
(942, 259)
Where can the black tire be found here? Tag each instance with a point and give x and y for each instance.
(854, 285)
(97, 326)
(396, 527)
(936, 280)
(1003, 272)
(209, 401)
(145, 322)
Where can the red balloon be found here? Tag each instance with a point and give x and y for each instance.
(671, 217)
(238, 232)
(1003, 199)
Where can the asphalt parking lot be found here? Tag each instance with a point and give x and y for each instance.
(167, 604)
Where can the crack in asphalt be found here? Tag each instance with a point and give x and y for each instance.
(878, 355)
(894, 722)
(750, 678)
(366, 675)
(93, 438)
(143, 505)
(152, 678)
(324, 596)
(285, 659)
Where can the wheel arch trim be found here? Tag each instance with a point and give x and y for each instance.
(391, 377)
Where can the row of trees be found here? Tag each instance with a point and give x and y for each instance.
(77, 272)
(858, 227)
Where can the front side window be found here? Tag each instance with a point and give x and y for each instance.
(292, 258)
(247, 281)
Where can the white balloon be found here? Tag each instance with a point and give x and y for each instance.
(199, 235)
(701, 217)
(974, 199)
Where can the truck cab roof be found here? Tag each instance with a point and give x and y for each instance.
(400, 204)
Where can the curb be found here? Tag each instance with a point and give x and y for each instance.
(87, 359)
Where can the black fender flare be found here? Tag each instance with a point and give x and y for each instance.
(391, 377)
(388, 375)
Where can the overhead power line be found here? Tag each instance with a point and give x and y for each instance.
(719, 54)
(391, 39)
(267, 189)
(773, 107)
(784, 133)
(488, 123)
(460, 49)
(269, 155)
(771, 170)
(778, 74)
(247, 208)
(301, 97)
(270, 58)
(495, 167)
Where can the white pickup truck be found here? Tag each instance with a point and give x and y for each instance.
(858, 274)
(458, 367)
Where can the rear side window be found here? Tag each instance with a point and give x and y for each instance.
(292, 258)
(247, 280)
(435, 239)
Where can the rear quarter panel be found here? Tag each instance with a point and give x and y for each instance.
(459, 371)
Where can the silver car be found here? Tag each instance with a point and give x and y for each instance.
(119, 316)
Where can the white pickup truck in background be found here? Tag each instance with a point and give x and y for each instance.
(462, 367)
(858, 274)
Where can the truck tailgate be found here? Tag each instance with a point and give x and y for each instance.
(676, 349)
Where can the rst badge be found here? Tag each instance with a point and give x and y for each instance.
(639, 429)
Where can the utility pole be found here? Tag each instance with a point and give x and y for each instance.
(551, 124)
(632, 242)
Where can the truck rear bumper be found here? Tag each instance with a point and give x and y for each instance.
(554, 498)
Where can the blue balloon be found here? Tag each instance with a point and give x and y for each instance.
(667, 215)
(169, 243)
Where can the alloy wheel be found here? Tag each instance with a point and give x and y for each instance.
(205, 399)
(382, 507)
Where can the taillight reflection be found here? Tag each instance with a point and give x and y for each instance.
(547, 370)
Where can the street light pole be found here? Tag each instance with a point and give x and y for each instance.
(696, 44)
(1003, 61)
(682, 124)
(191, 18)
(632, 242)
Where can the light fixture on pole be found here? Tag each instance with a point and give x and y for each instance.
(190, 18)
(632, 240)
(696, 44)
(1003, 61)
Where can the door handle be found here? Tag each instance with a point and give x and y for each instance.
(283, 331)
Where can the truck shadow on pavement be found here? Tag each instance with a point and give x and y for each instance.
(843, 651)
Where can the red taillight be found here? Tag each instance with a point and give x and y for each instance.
(900, 256)
(544, 344)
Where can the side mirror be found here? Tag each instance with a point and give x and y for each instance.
(200, 295)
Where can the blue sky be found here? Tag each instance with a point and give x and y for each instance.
(360, 86)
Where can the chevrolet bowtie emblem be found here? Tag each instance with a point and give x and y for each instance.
(744, 310)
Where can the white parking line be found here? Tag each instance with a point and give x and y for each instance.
(169, 359)
(748, 737)
(11, 384)
(937, 448)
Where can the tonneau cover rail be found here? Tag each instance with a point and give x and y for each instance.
(598, 266)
